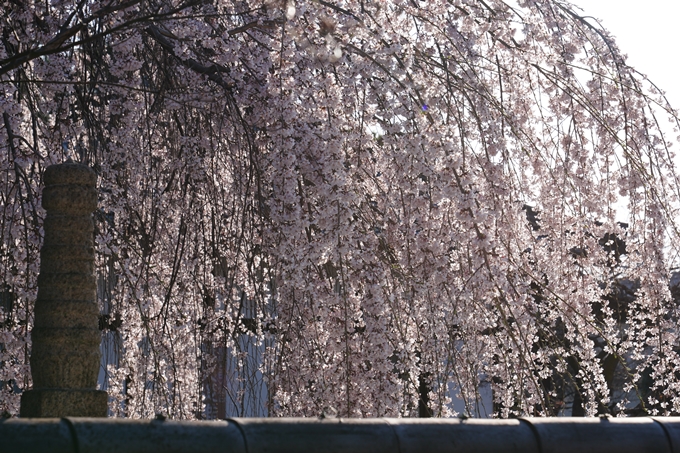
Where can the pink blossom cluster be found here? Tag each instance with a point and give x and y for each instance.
(388, 207)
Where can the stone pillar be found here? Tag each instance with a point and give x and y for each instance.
(65, 357)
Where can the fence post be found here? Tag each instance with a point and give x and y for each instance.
(65, 355)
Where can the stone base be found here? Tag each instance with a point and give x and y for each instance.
(56, 403)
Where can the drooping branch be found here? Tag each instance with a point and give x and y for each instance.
(63, 41)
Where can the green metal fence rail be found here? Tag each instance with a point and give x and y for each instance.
(306, 435)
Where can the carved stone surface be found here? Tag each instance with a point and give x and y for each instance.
(65, 356)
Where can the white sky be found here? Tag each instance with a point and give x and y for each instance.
(648, 31)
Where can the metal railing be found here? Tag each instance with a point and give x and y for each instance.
(335, 435)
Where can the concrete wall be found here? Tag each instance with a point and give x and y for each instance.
(281, 435)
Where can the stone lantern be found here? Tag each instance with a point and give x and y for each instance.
(65, 357)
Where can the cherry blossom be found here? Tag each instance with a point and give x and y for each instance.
(386, 207)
